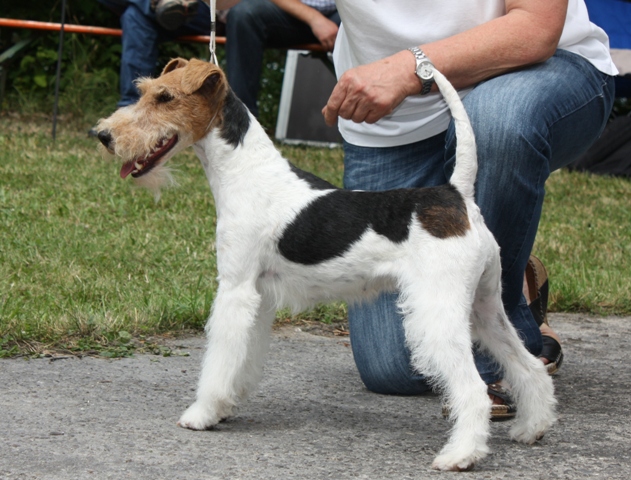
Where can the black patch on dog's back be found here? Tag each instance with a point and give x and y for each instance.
(328, 226)
(236, 120)
(313, 180)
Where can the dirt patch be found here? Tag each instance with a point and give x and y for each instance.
(333, 329)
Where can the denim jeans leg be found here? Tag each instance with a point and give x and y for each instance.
(376, 328)
(527, 124)
(252, 26)
(140, 52)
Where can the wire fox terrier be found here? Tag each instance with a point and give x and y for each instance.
(286, 238)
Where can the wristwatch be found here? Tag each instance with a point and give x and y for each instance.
(424, 70)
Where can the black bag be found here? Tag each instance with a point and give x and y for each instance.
(611, 154)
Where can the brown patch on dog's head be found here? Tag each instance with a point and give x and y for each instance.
(187, 93)
(202, 77)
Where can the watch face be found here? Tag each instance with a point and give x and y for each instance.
(425, 71)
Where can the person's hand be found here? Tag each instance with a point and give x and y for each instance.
(325, 31)
(370, 92)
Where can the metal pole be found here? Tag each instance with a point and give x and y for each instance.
(58, 77)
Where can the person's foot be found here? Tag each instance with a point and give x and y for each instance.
(502, 408)
(536, 293)
(546, 331)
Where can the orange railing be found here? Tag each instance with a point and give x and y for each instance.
(117, 32)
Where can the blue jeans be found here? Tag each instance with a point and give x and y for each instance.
(141, 37)
(252, 26)
(527, 123)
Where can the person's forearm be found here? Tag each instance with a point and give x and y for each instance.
(322, 27)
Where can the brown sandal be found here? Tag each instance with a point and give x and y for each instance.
(536, 283)
(536, 279)
(506, 410)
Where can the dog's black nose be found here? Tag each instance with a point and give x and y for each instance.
(105, 137)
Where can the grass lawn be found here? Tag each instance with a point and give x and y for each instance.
(89, 262)
(584, 240)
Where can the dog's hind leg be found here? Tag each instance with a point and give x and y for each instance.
(227, 365)
(438, 335)
(531, 386)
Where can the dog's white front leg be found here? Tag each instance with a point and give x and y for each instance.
(258, 347)
(230, 334)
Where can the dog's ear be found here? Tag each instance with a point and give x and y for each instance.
(199, 74)
(173, 64)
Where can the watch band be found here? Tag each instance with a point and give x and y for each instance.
(421, 59)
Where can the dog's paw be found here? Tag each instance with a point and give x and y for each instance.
(200, 417)
(459, 460)
(529, 432)
(448, 463)
(530, 427)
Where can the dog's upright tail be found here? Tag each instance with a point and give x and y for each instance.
(466, 167)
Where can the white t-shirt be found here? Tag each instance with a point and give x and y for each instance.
(377, 29)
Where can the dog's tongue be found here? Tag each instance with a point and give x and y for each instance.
(127, 168)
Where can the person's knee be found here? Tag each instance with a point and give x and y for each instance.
(379, 348)
(388, 376)
(246, 14)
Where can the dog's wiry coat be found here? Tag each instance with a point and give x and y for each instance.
(286, 238)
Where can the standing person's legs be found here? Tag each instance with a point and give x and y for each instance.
(570, 101)
(140, 51)
(141, 38)
(252, 26)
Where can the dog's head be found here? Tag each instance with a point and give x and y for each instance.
(174, 111)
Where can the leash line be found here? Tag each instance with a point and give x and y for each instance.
(213, 29)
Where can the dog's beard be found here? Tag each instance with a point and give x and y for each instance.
(160, 177)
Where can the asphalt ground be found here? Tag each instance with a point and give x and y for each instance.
(311, 418)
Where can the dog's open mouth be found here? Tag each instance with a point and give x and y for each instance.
(138, 167)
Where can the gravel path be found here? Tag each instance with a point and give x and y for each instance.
(311, 418)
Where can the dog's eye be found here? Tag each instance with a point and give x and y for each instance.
(164, 97)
